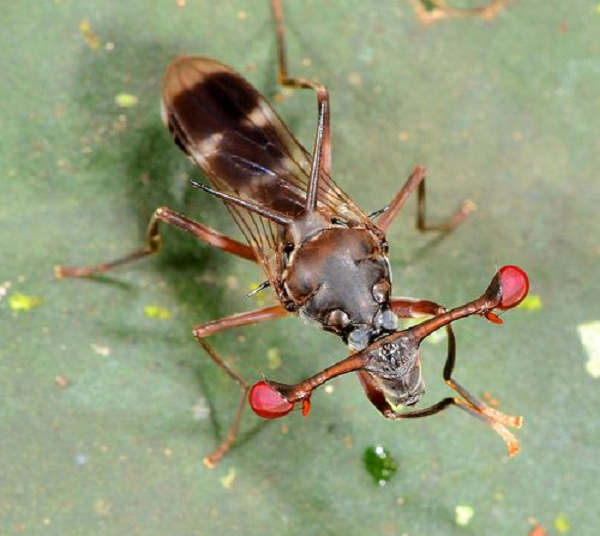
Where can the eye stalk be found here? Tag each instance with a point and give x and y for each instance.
(395, 355)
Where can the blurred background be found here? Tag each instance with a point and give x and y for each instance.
(108, 405)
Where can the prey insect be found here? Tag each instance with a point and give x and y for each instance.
(323, 256)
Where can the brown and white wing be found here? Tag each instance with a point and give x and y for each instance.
(229, 129)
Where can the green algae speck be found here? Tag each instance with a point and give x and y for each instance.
(380, 464)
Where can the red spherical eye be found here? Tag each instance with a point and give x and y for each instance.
(267, 402)
(515, 286)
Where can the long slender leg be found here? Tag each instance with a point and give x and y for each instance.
(511, 441)
(210, 328)
(417, 179)
(168, 216)
(322, 147)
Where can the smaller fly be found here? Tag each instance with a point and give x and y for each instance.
(324, 257)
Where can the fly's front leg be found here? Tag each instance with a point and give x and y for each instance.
(154, 242)
(417, 180)
(210, 328)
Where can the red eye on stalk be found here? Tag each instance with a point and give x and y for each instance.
(266, 401)
(515, 286)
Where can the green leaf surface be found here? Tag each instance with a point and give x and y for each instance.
(106, 411)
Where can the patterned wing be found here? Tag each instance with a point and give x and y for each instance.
(228, 128)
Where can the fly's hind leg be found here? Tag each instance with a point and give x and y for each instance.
(154, 241)
(210, 328)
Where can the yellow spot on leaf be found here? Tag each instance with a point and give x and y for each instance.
(464, 514)
(533, 302)
(153, 311)
(61, 381)
(561, 523)
(20, 302)
(101, 350)
(91, 39)
(126, 100)
(274, 357)
(228, 480)
(102, 507)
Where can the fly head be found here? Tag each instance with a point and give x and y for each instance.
(341, 280)
(395, 366)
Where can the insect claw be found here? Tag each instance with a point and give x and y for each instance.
(468, 206)
(379, 212)
(208, 463)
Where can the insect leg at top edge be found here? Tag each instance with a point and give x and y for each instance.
(440, 9)
(321, 163)
(416, 180)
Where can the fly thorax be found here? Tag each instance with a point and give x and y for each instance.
(340, 278)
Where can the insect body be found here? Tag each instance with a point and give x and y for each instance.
(324, 257)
